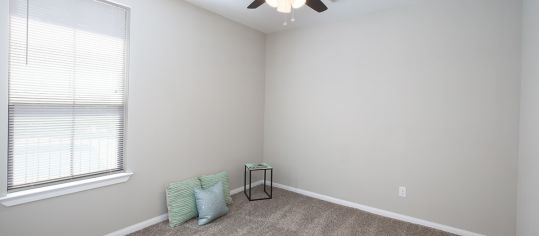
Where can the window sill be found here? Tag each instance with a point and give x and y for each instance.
(37, 194)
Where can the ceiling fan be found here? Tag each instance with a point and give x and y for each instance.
(285, 6)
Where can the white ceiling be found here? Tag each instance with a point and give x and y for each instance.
(268, 20)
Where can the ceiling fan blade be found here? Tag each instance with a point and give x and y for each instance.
(316, 5)
(256, 4)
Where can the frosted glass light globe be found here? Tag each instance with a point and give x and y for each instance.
(272, 3)
(298, 3)
(285, 6)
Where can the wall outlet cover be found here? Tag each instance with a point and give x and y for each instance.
(402, 191)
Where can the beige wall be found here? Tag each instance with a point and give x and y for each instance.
(196, 107)
(528, 194)
(425, 96)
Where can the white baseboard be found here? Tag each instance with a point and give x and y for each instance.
(389, 214)
(380, 212)
(138, 226)
(240, 189)
(158, 219)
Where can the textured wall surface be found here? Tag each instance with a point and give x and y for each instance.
(528, 187)
(424, 96)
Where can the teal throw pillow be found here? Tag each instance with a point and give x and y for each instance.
(210, 180)
(210, 203)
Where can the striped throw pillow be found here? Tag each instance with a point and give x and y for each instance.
(210, 180)
(181, 201)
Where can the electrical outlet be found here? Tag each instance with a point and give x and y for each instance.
(402, 191)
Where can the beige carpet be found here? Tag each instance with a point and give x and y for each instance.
(292, 214)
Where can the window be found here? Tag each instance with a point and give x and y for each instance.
(67, 91)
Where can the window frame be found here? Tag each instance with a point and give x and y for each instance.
(67, 185)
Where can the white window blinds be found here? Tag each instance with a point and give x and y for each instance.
(67, 90)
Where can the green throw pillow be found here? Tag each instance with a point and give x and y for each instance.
(210, 203)
(210, 180)
(181, 202)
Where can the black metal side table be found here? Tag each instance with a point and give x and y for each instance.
(257, 167)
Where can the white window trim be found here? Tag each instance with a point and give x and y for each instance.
(36, 194)
(41, 193)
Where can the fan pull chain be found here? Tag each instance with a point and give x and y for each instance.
(292, 18)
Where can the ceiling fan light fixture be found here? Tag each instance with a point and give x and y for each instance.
(298, 3)
(285, 6)
(273, 3)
